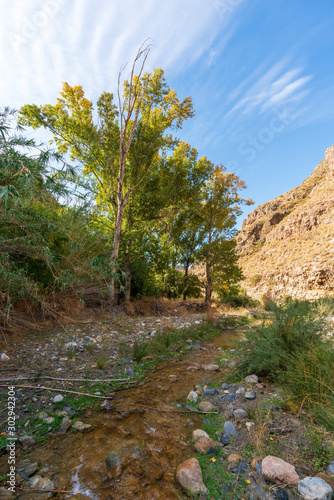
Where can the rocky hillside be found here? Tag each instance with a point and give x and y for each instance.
(286, 245)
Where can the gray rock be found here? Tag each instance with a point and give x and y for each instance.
(26, 469)
(232, 390)
(27, 440)
(258, 493)
(239, 414)
(315, 488)
(5, 494)
(225, 439)
(41, 483)
(250, 395)
(114, 465)
(252, 379)
(330, 468)
(65, 425)
(225, 386)
(130, 372)
(229, 398)
(282, 494)
(230, 429)
(58, 398)
(209, 392)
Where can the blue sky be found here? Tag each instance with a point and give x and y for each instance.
(261, 74)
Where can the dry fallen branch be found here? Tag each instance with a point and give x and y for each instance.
(68, 379)
(58, 390)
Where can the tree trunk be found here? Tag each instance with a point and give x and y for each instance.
(186, 280)
(208, 288)
(127, 296)
(113, 295)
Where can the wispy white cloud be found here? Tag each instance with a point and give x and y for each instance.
(277, 86)
(85, 42)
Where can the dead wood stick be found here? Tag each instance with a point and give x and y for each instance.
(68, 379)
(53, 491)
(42, 388)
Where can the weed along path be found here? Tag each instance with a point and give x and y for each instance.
(129, 448)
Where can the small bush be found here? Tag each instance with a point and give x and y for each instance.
(294, 329)
(139, 351)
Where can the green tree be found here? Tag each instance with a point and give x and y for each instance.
(120, 151)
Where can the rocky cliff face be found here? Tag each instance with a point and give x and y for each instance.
(286, 245)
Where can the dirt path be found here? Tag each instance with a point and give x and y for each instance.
(149, 443)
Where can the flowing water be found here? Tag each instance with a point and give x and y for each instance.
(149, 443)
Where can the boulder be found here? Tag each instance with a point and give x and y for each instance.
(278, 471)
(189, 476)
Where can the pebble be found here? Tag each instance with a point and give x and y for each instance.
(81, 427)
(114, 465)
(203, 445)
(239, 414)
(250, 395)
(314, 488)
(26, 468)
(192, 397)
(206, 406)
(199, 433)
(27, 440)
(210, 368)
(282, 495)
(230, 429)
(65, 425)
(330, 468)
(4, 357)
(225, 386)
(225, 439)
(41, 483)
(252, 379)
(58, 398)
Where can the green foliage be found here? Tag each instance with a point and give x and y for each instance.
(46, 247)
(267, 349)
(292, 350)
(139, 351)
(309, 381)
(237, 297)
(177, 284)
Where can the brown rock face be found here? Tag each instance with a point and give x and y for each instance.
(189, 476)
(286, 245)
(203, 444)
(277, 471)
